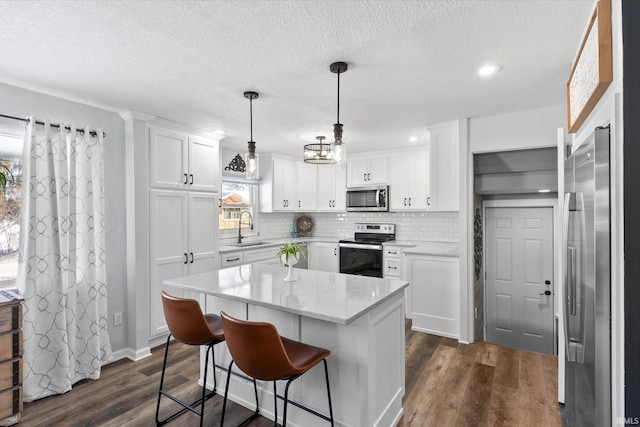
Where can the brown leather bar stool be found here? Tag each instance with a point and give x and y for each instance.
(260, 352)
(190, 326)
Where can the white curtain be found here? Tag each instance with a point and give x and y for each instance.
(62, 260)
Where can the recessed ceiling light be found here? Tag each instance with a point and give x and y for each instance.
(544, 190)
(413, 139)
(487, 70)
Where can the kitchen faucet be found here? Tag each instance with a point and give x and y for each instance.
(240, 224)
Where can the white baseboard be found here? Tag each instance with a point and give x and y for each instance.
(131, 354)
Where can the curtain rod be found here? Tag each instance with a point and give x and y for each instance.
(57, 125)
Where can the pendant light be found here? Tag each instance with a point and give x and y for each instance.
(252, 157)
(319, 153)
(338, 149)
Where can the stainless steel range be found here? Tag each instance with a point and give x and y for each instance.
(363, 254)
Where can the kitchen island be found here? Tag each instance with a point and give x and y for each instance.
(360, 319)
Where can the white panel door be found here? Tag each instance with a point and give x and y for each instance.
(307, 189)
(168, 159)
(357, 172)
(519, 282)
(323, 257)
(285, 185)
(168, 249)
(203, 214)
(203, 165)
(434, 294)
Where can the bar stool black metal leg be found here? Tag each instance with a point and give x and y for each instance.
(326, 374)
(164, 366)
(226, 392)
(275, 403)
(204, 383)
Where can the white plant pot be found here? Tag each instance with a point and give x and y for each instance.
(292, 261)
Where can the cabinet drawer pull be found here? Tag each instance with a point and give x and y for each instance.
(393, 252)
(368, 177)
(186, 178)
(364, 176)
(186, 258)
(298, 203)
(392, 268)
(191, 257)
(405, 201)
(335, 251)
(409, 201)
(191, 175)
(233, 259)
(428, 201)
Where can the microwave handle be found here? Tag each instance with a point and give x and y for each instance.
(378, 198)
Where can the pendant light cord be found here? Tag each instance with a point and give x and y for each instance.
(338, 97)
(251, 117)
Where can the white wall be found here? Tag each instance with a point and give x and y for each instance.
(519, 130)
(22, 103)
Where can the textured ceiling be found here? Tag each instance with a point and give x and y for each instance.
(411, 63)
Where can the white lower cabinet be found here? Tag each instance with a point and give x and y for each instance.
(182, 242)
(323, 256)
(434, 294)
(231, 259)
(392, 262)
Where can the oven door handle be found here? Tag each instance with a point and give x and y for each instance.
(360, 246)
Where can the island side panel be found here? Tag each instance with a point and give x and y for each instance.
(366, 366)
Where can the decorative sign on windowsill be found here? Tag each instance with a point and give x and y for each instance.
(592, 70)
(237, 164)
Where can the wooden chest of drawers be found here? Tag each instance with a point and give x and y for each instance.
(10, 358)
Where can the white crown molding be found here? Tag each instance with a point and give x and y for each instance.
(131, 115)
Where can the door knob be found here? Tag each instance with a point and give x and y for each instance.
(547, 293)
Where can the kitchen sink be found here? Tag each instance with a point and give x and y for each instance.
(245, 244)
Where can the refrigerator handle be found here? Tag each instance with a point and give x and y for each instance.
(571, 275)
(565, 245)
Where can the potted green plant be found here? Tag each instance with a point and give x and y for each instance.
(289, 254)
(5, 175)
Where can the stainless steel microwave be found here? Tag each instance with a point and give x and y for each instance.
(370, 198)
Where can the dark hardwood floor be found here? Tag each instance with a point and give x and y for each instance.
(447, 384)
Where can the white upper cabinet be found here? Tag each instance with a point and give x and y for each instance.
(331, 189)
(203, 165)
(444, 166)
(307, 189)
(365, 171)
(179, 161)
(279, 184)
(408, 180)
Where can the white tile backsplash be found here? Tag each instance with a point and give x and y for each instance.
(421, 226)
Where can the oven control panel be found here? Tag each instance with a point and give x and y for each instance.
(376, 228)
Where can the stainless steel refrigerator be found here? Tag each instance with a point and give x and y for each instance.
(587, 285)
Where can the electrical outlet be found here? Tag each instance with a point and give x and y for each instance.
(117, 318)
(475, 312)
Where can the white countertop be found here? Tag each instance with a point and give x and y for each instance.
(334, 297)
(427, 248)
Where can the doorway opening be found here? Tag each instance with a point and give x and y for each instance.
(517, 192)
